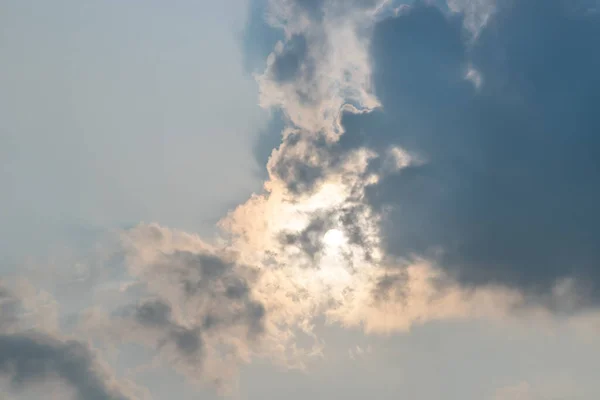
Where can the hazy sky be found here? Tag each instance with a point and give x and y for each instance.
(322, 199)
(115, 113)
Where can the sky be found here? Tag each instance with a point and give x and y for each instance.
(257, 199)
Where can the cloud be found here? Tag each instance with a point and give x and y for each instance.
(308, 75)
(33, 357)
(322, 174)
(197, 306)
(402, 152)
(508, 192)
(421, 147)
(321, 254)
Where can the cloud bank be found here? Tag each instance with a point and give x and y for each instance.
(509, 188)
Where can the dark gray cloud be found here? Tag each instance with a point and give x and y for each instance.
(153, 313)
(510, 188)
(155, 316)
(34, 358)
(187, 341)
(28, 356)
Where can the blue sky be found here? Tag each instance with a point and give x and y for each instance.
(305, 199)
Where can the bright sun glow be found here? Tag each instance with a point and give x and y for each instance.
(334, 238)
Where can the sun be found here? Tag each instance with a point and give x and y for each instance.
(334, 238)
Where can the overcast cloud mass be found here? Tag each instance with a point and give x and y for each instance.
(392, 199)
